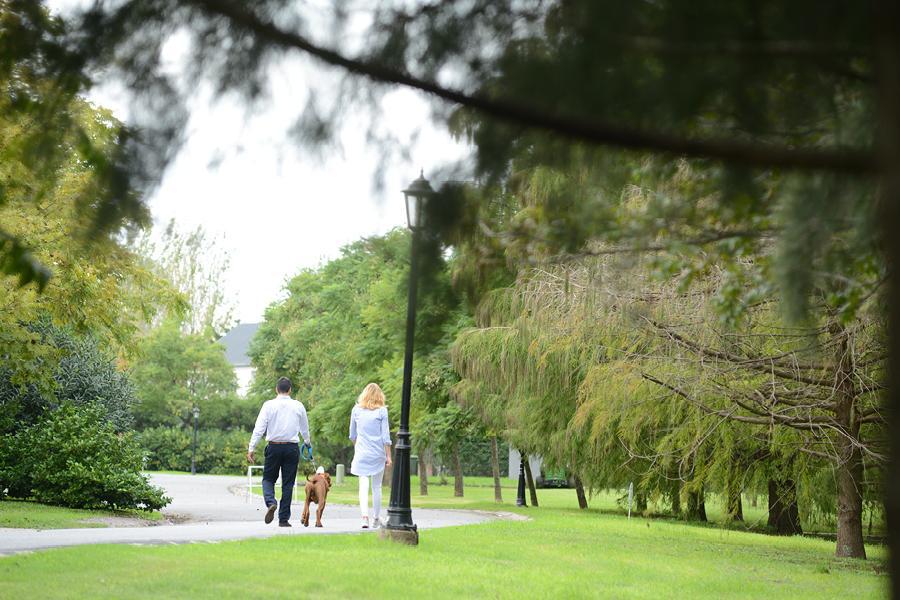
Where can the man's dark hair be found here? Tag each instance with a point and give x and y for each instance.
(283, 386)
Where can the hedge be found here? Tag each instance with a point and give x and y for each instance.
(221, 452)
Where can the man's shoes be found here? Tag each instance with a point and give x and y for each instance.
(284, 524)
(270, 513)
(376, 524)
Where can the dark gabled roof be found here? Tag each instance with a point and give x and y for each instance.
(237, 343)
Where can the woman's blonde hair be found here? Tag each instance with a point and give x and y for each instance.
(372, 397)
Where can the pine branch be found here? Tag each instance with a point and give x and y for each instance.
(860, 162)
(721, 413)
(756, 364)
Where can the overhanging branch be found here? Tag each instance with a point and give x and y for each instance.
(592, 132)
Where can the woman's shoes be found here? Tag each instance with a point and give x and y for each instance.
(365, 524)
(377, 524)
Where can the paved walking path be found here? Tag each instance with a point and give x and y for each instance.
(214, 508)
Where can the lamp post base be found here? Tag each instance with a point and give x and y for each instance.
(399, 512)
(410, 537)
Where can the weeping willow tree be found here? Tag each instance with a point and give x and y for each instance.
(615, 375)
(809, 392)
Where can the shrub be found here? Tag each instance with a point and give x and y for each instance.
(74, 457)
(169, 449)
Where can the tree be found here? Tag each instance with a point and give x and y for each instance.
(195, 267)
(580, 353)
(84, 374)
(177, 371)
(53, 141)
(99, 287)
(341, 327)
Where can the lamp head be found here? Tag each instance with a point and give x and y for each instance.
(417, 194)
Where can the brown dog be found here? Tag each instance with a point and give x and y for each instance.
(316, 491)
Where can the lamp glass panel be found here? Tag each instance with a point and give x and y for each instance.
(413, 210)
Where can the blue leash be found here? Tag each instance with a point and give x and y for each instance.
(306, 452)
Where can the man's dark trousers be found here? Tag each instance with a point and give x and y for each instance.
(285, 457)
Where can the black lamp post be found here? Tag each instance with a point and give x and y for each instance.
(400, 525)
(520, 496)
(196, 412)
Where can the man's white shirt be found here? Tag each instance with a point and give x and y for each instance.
(281, 419)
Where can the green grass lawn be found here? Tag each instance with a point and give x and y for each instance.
(170, 472)
(560, 553)
(41, 516)
(479, 495)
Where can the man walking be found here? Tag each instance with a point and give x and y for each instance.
(283, 421)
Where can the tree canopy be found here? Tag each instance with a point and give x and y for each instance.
(341, 327)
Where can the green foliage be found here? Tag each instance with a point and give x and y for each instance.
(177, 371)
(48, 134)
(83, 374)
(617, 377)
(98, 286)
(169, 449)
(74, 457)
(475, 456)
(195, 266)
(342, 326)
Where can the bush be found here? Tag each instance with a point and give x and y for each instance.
(74, 457)
(169, 449)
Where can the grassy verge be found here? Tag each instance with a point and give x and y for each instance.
(479, 495)
(164, 472)
(32, 515)
(560, 553)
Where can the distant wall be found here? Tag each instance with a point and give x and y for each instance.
(515, 457)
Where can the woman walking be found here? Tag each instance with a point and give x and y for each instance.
(370, 433)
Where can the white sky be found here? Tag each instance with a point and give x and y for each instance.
(274, 208)
(279, 209)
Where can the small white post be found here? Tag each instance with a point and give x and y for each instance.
(339, 473)
(630, 496)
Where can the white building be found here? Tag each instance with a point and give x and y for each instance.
(535, 462)
(237, 343)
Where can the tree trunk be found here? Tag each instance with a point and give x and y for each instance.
(423, 475)
(784, 515)
(849, 470)
(457, 473)
(495, 470)
(530, 480)
(429, 462)
(696, 506)
(579, 491)
(675, 495)
(886, 18)
(733, 506)
(849, 525)
(640, 502)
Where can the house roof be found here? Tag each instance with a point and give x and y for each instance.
(237, 343)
